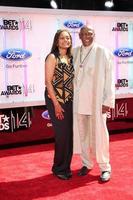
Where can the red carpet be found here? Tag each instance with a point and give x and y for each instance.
(25, 174)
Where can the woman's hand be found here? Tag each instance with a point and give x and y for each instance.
(59, 111)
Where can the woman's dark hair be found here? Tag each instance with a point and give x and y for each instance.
(55, 49)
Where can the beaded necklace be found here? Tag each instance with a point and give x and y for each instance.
(81, 52)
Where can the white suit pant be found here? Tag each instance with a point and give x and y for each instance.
(88, 142)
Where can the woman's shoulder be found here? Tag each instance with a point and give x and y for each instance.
(50, 56)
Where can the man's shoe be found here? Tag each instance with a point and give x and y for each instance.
(69, 174)
(83, 171)
(105, 176)
(62, 176)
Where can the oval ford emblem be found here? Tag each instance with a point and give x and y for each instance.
(124, 52)
(73, 24)
(15, 54)
(45, 115)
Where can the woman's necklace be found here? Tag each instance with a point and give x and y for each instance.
(64, 59)
(81, 53)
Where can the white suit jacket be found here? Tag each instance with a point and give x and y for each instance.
(94, 87)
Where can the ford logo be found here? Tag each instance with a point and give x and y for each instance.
(124, 52)
(15, 54)
(73, 24)
(45, 115)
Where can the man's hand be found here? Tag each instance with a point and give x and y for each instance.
(105, 109)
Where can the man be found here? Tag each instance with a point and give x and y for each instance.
(94, 95)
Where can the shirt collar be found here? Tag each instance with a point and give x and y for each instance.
(84, 49)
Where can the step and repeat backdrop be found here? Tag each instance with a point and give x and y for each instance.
(26, 36)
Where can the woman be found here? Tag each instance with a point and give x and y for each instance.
(59, 95)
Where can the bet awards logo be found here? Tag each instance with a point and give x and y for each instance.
(12, 90)
(121, 83)
(120, 27)
(14, 121)
(9, 25)
(12, 24)
(4, 122)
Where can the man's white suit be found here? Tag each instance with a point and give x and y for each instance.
(94, 86)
